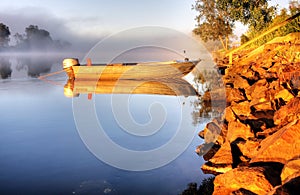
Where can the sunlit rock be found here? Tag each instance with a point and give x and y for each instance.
(282, 146)
(291, 169)
(241, 109)
(252, 179)
(248, 148)
(229, 115)
(241, 83)
(284, 95)
(288, 113)
(236, 130)
(234, 95)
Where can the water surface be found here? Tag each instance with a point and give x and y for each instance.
(41, 151)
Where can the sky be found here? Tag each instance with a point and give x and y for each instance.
(96, 18)
(91, 20)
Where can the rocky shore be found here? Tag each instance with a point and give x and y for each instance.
(254, 147)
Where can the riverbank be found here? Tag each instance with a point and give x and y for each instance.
(255, 144)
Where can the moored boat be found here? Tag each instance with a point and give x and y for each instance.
(128, 71)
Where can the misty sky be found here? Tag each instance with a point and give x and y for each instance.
(90, 20)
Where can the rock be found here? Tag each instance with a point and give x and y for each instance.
(248, 147)
(240, 83)
(292, 186)
(282, 146)
(266, 132)
(234, 95)
(252, 179)
(229, 115)
(213, 132)
(263, 105)
(242, 191)
(259, 70)
(288, 113)
(241, 109)
(236, 130)
(204, 148)
(223, 156)
(284, 95)
(257, 90)
(211, 152)
(214, 169)
(291, 169)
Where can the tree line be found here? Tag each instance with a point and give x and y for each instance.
(216, 18)
(34, 39)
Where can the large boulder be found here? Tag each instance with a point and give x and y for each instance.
(236, 130)
(221, 162)
(282, 146)
(248, 147)
(252, 179)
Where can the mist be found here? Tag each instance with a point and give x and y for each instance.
(19, 19)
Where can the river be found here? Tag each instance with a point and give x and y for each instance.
(44, 147)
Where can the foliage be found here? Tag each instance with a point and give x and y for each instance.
(34, 39)
(4, 35)
(216, 18)
(213, 22)
(205, 188)
(205, 80)
(244, 39)
(293, 26)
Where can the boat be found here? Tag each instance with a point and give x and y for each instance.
(128, 71)
(171, 87)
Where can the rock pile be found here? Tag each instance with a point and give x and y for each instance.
(254, 148)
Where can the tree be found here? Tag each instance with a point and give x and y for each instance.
(37, 38)
(216, 18)
(4, 35)
(19, 38)
(213, 22)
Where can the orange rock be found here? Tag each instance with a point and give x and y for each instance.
(223, 156)
(282, 146)
(234, 95)
(248, 147)
(236, 129)
(252, 179)
(241, 109)
(288, 113)
(229, 115)
(284, 95)
(291, 169)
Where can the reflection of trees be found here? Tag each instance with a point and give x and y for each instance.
(206, 187)
(205, 81)
(36, 65)
(5, 68)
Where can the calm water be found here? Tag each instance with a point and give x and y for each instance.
(43, 152)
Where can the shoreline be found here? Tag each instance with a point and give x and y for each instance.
(254, 147)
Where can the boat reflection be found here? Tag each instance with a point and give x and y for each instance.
(173, 87)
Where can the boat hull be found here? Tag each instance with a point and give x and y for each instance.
(142, 71)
